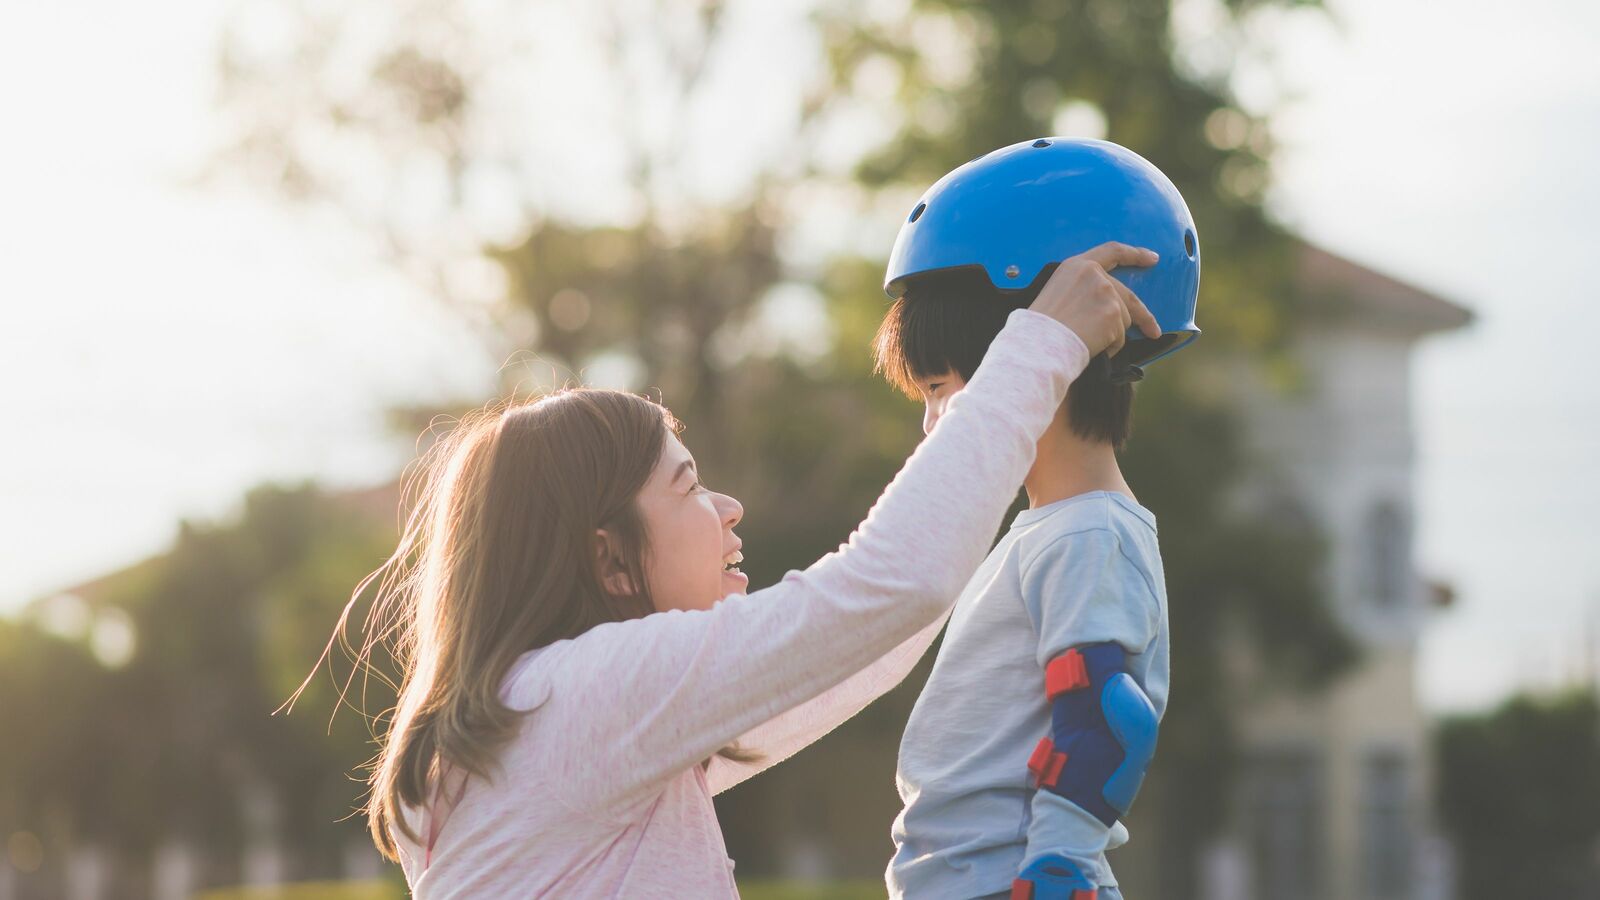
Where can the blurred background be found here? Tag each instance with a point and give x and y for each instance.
(249, 249)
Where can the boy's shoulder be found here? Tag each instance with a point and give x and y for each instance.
(1096, 523)
(1086, 518)
(1102, 537)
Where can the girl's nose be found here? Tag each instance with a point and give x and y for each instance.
(732, 510)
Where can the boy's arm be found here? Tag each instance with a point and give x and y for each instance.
(788, 733)
(1091, 607)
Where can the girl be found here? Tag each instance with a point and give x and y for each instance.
(582, 670)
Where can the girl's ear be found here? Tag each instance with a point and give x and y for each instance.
(608, 565)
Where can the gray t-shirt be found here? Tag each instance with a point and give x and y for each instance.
(1077, 571)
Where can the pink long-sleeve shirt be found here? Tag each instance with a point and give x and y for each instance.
(602, 792)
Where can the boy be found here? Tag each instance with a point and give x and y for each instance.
(1035, 728)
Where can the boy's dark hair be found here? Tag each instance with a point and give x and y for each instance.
(946, 321)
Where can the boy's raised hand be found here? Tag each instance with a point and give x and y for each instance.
(1082, 295)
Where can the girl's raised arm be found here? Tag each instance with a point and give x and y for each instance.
(647, 698)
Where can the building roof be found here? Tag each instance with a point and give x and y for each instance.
(1339, 287)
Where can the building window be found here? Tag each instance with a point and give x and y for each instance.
(1388, 555)
(1385, 829)
(1284, 809)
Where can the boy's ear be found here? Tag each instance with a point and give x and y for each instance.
(608, 565)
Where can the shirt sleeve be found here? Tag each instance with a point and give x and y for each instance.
(1082, 589)
(638, 702)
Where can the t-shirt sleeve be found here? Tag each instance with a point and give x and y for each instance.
(1082, 589)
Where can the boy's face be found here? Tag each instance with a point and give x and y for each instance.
(936, 393)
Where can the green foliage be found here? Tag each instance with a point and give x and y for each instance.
(46, 682)
(228, 622)
(1519, 792)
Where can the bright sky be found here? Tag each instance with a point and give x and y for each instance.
(1451, 151)
(163, 348)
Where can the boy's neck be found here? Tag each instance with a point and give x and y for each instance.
(1065, 465)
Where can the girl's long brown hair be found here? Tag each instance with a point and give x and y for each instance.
(496, 558)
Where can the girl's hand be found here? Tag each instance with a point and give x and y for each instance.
(1082, 295)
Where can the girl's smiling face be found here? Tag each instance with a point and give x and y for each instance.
(690, 533)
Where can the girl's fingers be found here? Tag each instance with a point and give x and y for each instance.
(1138, 314)
(1115, 253)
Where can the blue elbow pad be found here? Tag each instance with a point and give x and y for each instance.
(1102, 731)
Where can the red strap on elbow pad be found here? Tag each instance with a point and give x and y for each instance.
(1046, 763)
(1065, 673)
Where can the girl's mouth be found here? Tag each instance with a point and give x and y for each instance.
(730, 567)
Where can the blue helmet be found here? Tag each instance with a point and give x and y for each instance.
(1016, 210)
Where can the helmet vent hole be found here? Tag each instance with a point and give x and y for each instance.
(1188, 243)
(1041, 142)
(917, 214)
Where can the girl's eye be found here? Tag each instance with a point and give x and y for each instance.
(934, 388)
(697, 486)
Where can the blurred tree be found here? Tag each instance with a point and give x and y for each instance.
(165, 738)
(54, 760)
(1519, 793)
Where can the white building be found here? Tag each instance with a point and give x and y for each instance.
(1334, 801)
